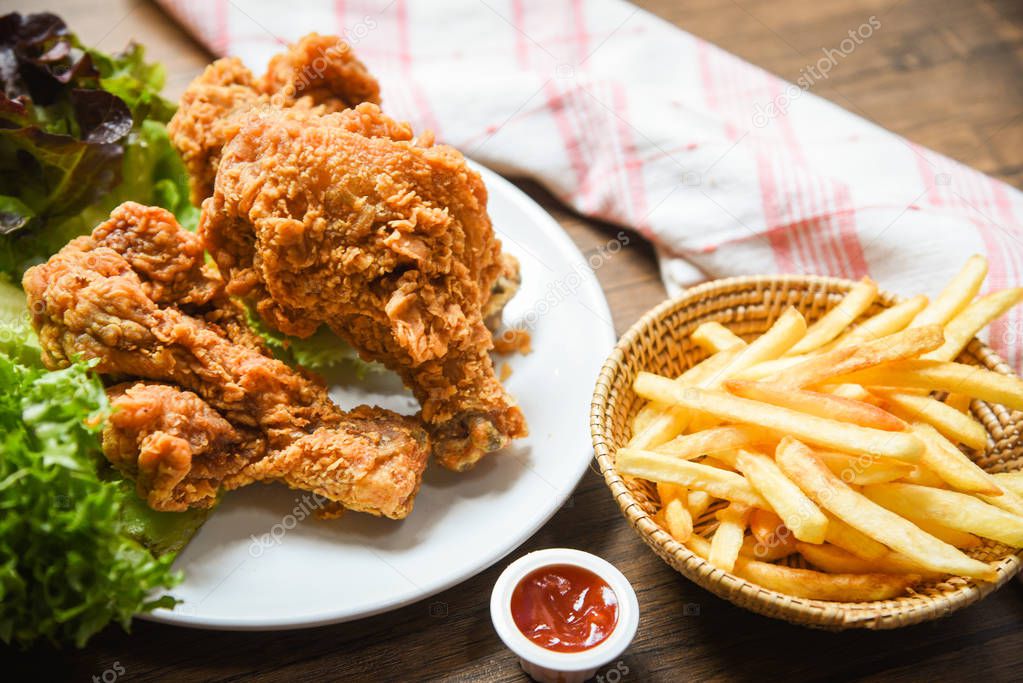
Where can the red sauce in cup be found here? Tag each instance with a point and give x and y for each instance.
(564, 608)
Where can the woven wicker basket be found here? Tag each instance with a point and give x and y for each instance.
(660, 342)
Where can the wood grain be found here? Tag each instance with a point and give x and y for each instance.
(944, 73)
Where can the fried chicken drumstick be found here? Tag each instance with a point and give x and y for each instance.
(318, 73)
(179, 450)
(385, 238)
(136, 296)
(417, 262)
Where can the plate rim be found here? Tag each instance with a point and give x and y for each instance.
(591, 290)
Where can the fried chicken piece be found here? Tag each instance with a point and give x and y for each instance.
(363, 462)
(179, 450)
(170, 263)
(385, 240)
(322, 68)
(318, 73)
(207, 117)
(89, 301)
(167, 259)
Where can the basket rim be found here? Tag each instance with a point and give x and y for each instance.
(814, 613)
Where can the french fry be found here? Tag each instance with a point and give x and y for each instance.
(859, 470)
(699, 501)
(1007, 500)
(773, 368)
(666, 492)
(715, 440)
(959, 292)
(806, 367)
(677, 520)
(883, 496)
(950, 422)
(755, 550)
(951, 509)
(724, 460)
(833, 559)
(811, 585)
(661, 427)
(817, 481)
(816, 403)
(889, 321)
(954, 537)
(643, 417)
(923, 476)
(960, 402)
(932, 375)
(898, 346)
(1011, 481)
(671, 421)
(951, 464)
(664, 468)
(853, 392)
(853, 541)
(702, 422)
(800, 515)
(835, 321)
(818, 430)
(727, 540)
(767, 527)
(714, 337)
(975, 317)
(773, 538)
(786, 330)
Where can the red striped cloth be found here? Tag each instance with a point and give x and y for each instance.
(726, 168)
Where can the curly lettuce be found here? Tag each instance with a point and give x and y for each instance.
(80, 132)
(78, 548)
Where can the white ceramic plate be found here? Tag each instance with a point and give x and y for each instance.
(262, 561)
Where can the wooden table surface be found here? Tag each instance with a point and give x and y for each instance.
(945, 73)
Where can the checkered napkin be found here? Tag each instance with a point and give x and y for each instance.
(727, 169)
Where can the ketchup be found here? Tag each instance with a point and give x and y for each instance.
(564, 608)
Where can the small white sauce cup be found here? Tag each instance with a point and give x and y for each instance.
(548, 666)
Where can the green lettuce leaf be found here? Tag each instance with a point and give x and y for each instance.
(161, 533)
(67, 567)
(320, 352)
(80, 132)
(78, 547)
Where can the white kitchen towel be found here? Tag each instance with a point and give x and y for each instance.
(727, 169)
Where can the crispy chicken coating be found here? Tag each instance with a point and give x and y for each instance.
(319, 73)
(387, 240)
(322, 68)
(179, 450)
(95, 300)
